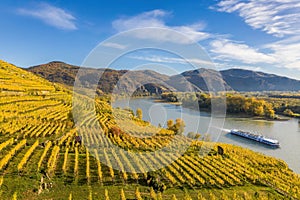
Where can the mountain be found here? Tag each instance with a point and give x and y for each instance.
(247, 80)
(41, 153)
(199, 77)
(111, 80)
(57, 71)
(147, 81)
(239, 80)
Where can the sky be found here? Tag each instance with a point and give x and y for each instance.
(261, 35)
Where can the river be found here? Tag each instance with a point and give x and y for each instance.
(286, 132)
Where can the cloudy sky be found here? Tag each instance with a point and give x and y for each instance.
(261, 35)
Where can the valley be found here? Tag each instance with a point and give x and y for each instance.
(40, 156)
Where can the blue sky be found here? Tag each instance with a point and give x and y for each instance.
(261, 35)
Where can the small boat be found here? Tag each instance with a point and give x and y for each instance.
(255, 137)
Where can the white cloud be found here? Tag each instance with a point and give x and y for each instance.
(113, 45)
(224, 66)
(172, 60)
(287, 52)
(51, 15)
(275, 17)
(156, 18)
(283, 53)
(152, 18)
(229, 50)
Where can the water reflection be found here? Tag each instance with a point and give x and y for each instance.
(286, 132)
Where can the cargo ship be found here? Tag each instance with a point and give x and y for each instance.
(255, 137)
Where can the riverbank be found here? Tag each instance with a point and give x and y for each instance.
(158, 100)
(236, 115)
(286, 132)
(256, 118)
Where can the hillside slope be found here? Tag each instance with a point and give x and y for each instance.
(64, 73)
(40, 158)
(28, 100)
(200, 76)
(13, 79)
(246, 80)
(232, 79)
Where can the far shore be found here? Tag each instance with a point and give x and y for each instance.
(164, 101)
(235, 115)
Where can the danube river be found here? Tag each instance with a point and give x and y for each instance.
(286, 132)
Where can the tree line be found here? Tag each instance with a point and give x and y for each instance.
(235, 103)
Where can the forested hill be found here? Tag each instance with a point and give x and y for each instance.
(64, 73)
(40, 155)
(233, 79)
(247, 80)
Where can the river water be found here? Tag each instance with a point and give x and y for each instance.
(286, 132)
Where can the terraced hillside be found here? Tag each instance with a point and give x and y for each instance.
(40, 157)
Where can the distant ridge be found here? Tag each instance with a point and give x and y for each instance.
(198, 77)
(247, 80)
(232, 79)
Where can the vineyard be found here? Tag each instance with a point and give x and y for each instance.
(40, 157)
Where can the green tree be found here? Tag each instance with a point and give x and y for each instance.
(269, 112)
(170, 124)
(288, 112)
(139, 113)
(197, 136)
(247, 106)
(258, 110)
(191, 135)
(207, 137)
(179, 126)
